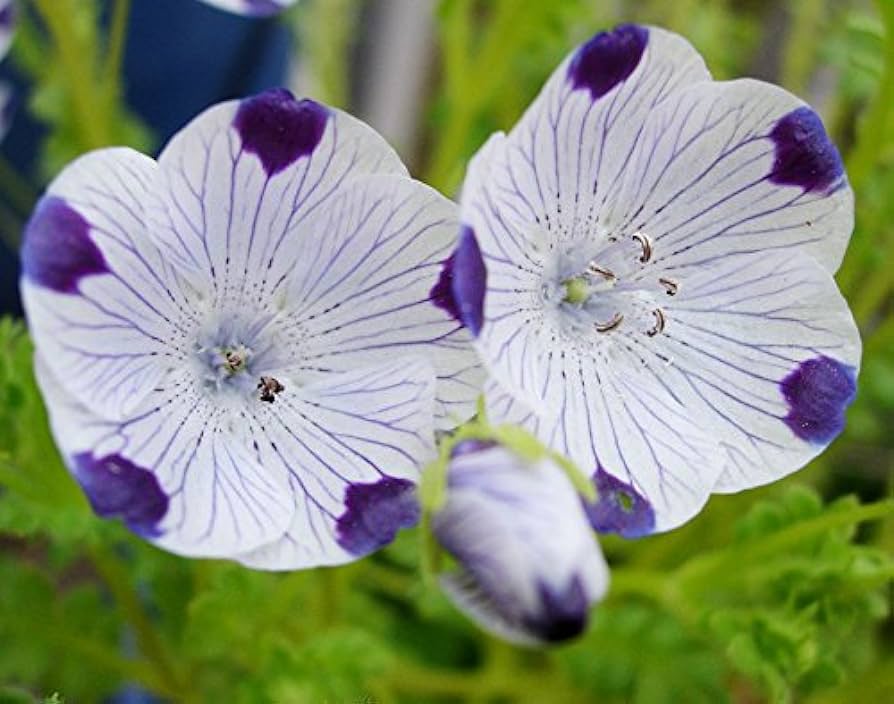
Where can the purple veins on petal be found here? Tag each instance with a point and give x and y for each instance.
(115, 486)
(58, 251)
(375, 513)
(469, 281)
(817, 393)
(805, 156)
(619, 508)
(279, 129)
(608, 59)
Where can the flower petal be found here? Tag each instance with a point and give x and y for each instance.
(733, 167)
(174, 471)
(765, 351)
(352, 444)
(103, 304)
(238, 183)
(362, 293)
(567, 154)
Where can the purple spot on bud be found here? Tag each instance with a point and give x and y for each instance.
(817, 392)
(562, 614)
(619, 508)
(58, 251)
(279, 129)
(469, 282)
(805, 156)
(375, 512)
(116, 486)
(608, 59)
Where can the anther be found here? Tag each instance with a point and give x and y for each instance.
(596, 270)
(646, 243)
(616, 320)
(670, 286)
(269, 388)
(659, 323)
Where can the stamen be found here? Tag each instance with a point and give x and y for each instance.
(671, 287)
(596, 270)
(269, 388)
(659, 323)
(616, 320)
(646, 243)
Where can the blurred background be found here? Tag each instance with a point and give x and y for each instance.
(782, 594)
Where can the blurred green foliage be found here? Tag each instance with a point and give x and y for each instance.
(781, 594)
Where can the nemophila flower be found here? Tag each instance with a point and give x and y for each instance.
(257, 8)
(528, 564)
(648, 270)
(237, 343)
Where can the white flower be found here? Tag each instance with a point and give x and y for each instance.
(529, 566)
(658, 301)
(238, 344)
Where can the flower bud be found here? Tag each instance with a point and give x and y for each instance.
(529, 566)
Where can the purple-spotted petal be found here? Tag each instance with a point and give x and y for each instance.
(175, 453)
(253, 8)
(352, 444)
(104, 306)
(529, 567)
(765, 353)
(733, 167)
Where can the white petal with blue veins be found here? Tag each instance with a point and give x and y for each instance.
(346, 429)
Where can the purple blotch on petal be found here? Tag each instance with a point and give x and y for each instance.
(562, 614)
(619, 508)
(817, 393)
(469, 281)
(116, 486)
(279, 129)
(607, 59)
(805, 156)
(375, 512)
(441, 293)
(58, 251)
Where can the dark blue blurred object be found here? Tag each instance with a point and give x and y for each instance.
(181, 57)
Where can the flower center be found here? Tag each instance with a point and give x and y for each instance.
(605, 298)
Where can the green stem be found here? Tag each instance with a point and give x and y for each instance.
(80, 77)
(477, 86)
(148, 640)
(115, 52)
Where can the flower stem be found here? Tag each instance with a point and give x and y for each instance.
(76, 65)
(115, 50)
(149, 642)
